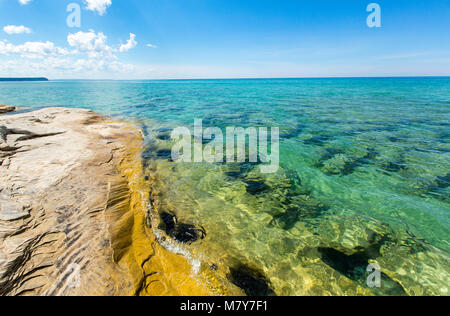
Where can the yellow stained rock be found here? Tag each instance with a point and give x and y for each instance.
(73, 212)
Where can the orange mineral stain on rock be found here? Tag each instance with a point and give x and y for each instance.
(153, 270)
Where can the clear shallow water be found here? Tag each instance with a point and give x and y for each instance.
(364, 176)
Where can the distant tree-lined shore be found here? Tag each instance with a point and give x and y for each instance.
(24, 79)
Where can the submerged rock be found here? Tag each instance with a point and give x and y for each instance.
(394, 166)
(355, 267)
(239, 171)
(164, 137)
(250, 280)
(318, 140)
(256, 186)
(283, 197)
(152, 152)
(336, 165)
(298, 208)
(292, 133)
(329, 154)
(164, 130)
(444, 181)
(437, 187)
(347, 243)
(342, 164)
(184, 233)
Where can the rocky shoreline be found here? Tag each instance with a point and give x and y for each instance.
(73, 218)
(6, 108)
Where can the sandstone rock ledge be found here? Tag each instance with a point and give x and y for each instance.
(72, 210)
(6, 108)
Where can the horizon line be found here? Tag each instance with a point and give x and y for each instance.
(255, 78)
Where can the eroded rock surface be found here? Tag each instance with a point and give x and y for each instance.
(57, 168)
(6, 108)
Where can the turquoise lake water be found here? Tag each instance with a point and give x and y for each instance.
(364, 177)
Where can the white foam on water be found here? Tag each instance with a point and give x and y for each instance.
(171, 245)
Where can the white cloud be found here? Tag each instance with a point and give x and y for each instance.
(98, 6)
(99, 66)
(87, 55)
(151, 46)
(93, 45)
(90, 43)
(24, 2)
(131, 43)
(32, 49)
(16, 29)
(66, 68)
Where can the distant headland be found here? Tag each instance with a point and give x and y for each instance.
(24, 79)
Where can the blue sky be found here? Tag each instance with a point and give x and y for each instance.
(136, 39)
